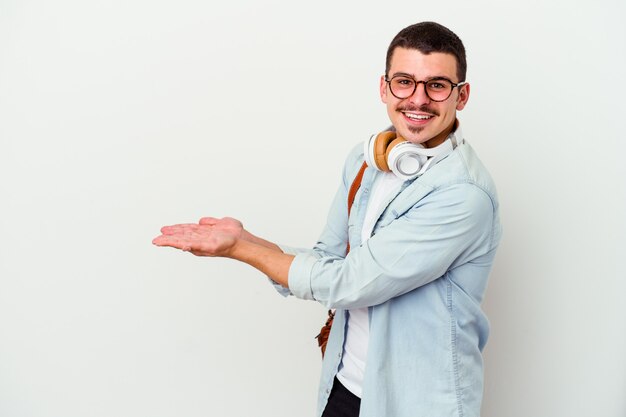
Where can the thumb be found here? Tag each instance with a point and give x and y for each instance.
(208, 221)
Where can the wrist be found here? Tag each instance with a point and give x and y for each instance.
(245, 235)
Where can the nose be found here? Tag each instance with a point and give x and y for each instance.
(419, 96)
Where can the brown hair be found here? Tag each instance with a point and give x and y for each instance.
(429, 37)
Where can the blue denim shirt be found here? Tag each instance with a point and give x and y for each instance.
(422, 274)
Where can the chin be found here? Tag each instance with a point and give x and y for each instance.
(415, 136)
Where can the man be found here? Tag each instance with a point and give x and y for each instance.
(422, 234)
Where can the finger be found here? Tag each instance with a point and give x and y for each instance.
(173, 242)
(161, 240)
(182, 244)
(208, 221)
(178, 228)
(175, 228)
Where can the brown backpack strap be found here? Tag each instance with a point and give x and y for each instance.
(356, 184)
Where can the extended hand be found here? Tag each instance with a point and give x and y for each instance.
(227, 238)
(211, 237)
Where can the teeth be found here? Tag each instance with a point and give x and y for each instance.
(417, 116)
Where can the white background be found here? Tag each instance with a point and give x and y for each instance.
(117, 117)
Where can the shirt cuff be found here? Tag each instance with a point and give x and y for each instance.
(281, 290)
(289, 250)
(300, 276)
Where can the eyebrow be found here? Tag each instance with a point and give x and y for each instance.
(436, 77)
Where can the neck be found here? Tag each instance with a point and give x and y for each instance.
(438, 140)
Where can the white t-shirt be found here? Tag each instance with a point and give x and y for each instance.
(352, 366)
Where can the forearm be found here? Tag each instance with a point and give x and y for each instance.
(268, 259)
(249, 237)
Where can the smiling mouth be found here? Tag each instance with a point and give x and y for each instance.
(417, 117)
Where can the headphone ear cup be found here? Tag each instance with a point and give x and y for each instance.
(381, 143)
(398, 140)
(407, 159)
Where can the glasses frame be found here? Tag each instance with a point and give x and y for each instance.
(388, 81)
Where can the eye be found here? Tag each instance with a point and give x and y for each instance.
(438, 84)
(403, 82)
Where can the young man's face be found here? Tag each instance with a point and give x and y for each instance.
(417, 118)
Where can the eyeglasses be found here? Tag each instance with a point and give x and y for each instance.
(437, 89)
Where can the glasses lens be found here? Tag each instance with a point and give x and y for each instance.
(439, 89)
(402, 87)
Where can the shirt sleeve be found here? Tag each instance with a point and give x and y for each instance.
(290, 250)
(447, 227)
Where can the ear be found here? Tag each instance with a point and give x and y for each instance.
(383, 89)
(464, 93)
